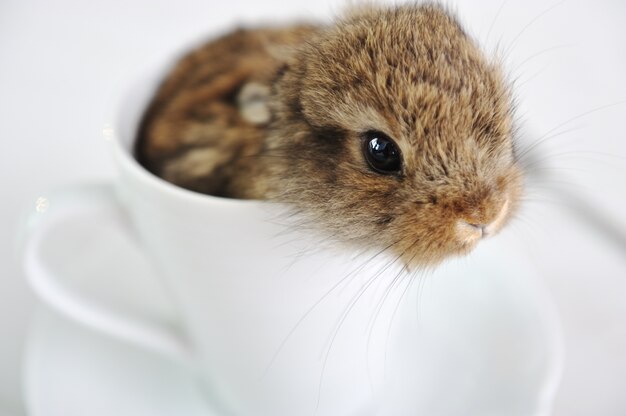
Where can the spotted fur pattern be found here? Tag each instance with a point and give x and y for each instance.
(193, 133)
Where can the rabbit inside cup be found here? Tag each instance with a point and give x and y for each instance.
(388, 129)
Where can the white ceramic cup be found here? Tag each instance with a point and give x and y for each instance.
(276, 324)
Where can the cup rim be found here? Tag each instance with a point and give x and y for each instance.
(128, 163)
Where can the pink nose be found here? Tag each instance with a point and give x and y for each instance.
(470, 232)
(477, 227)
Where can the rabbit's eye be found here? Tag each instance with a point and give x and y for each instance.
(381, 153)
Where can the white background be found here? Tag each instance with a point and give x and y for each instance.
(61, 60)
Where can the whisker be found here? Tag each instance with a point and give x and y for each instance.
(317, 303)
(495, 18)
(386, 293)
(527, 151)
(372, 323)
(360, 293)
(410, 281)
(529, 24)
(577, 117)
(518, 83)
(344, 316)
(540, 53)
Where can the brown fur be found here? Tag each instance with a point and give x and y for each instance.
(409, 71)
(193, 134)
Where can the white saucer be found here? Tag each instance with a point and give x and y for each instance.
(72, 371)
(463, 326)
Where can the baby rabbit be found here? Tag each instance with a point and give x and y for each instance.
(387, 130)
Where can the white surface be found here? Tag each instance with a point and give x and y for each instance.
(71, 371)
(486, 329)
(61, 59)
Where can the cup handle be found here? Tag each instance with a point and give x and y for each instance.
(97, 202)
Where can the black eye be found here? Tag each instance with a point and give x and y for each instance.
(381, 152)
